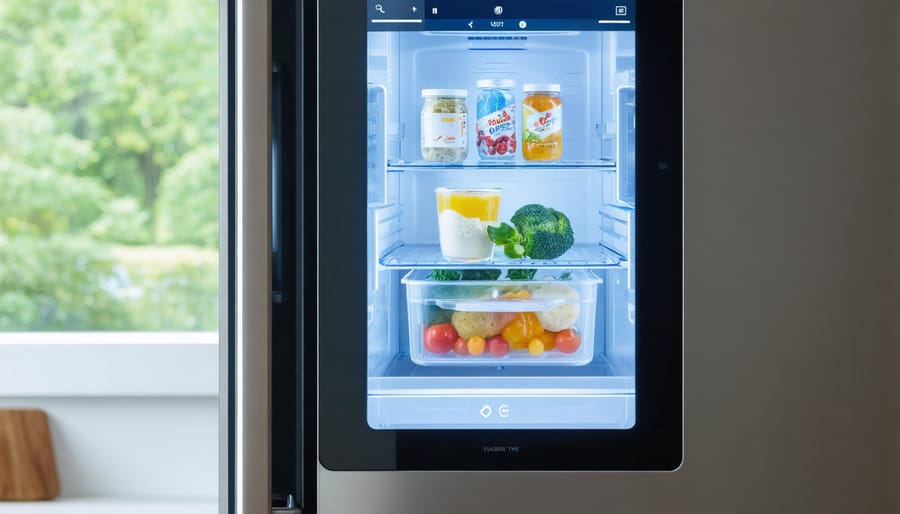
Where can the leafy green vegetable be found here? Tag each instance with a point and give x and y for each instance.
(466, 274)
(480, 274)
(539, 232)
(521, 274)
(445, 274)
(436, 315)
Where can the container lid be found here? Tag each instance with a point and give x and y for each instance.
(541, 88)
(451, 93)
(503, 83)
(467, 191)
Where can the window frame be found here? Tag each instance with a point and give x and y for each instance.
(109, 364)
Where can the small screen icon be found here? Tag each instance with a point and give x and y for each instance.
(621, 10)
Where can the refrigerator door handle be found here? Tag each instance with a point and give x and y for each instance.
(277, 170)
(246, 258)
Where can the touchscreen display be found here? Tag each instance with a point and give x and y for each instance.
(501, 211)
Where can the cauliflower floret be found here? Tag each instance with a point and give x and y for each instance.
(564, 316)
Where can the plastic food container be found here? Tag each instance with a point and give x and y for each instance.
(463, 218)
(444, 137)
(495, 125)
(555, 306)
(541, 122)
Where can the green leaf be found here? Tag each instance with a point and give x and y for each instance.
(503, 234)
(514, 250)
(444, 274)
(521, 274)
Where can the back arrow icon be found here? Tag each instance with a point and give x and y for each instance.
(471, 23)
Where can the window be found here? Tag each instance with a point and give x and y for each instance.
(109, 165)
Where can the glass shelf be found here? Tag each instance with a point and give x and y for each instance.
(599, 165)
(429, 256)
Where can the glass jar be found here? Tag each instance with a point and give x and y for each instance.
(495, 125)
(443, 125)
(541, 122)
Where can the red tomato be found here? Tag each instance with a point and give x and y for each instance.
(501, 148)
(440, 338)
(498, 346)
(459, 346)
(567, 341)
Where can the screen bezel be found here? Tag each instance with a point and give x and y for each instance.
(346, 442)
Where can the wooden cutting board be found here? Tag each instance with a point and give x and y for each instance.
(27, 466)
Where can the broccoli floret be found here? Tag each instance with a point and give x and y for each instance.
(546, 232)
(539, 233)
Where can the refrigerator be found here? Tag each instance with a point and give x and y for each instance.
(459, 272)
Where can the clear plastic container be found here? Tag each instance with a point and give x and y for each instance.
(551, 307)
(463, 218)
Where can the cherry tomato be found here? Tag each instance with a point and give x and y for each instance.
(549, 340)
(475, 345)
(501, 148)
(440, 338)
(567, 341)
(498, 346)
(460, 346)
(535, 346)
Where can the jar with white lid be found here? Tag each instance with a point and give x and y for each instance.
(443, 133)
(541, 122)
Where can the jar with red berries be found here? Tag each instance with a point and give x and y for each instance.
(496, 119)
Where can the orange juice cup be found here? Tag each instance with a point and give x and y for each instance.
(463, 218)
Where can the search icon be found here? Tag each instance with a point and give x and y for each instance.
(379, 8)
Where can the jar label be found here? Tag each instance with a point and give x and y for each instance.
(445, 130)
(497, 131)
(541, 125)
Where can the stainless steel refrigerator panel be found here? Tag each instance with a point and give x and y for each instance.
(791, 285)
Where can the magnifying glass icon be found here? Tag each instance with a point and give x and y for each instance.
(379, 8)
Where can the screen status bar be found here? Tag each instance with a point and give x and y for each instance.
(480, 16)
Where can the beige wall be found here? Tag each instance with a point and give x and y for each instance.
(791, 293)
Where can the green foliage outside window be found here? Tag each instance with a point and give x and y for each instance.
(108, 165)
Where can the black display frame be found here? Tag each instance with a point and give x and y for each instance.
(346, 442)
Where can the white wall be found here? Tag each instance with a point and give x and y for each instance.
(132, 447)
(131, 415)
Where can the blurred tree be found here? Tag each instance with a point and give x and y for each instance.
(100, 102)
(188, 206)
(133, 78)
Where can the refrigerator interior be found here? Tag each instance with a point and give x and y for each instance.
(592, 183)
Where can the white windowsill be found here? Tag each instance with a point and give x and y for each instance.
(112, 506)
(109, 364)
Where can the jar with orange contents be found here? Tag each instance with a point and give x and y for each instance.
(541, 122)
